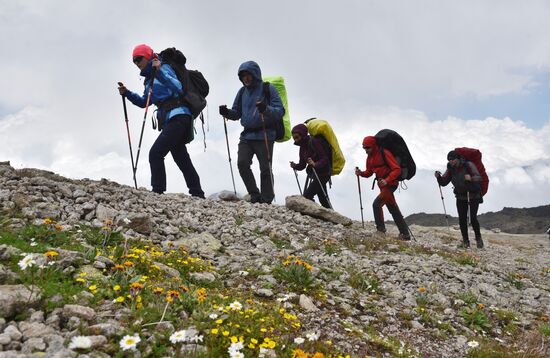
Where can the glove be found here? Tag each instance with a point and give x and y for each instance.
(224, 111)
(261, 106)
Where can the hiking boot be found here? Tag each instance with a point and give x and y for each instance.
(404, 237)
(464, 245)
(256, 200)
(479, 243)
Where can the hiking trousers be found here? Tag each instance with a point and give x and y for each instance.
(462, 208)
(247, 150)
(171, 139)
(387, 198)
(315, 188)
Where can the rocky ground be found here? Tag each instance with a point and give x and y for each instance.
(368, 296)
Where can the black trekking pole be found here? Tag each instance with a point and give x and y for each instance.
(360, 200)
(444, 209)
(268, 155)
(229, 154)
(321, 186)
(297, 181)
(128, 132)
(145, 117)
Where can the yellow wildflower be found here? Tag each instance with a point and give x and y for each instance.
(214, 331)
(120, 299)
(116, 288)
(50, 254)
(421, 289)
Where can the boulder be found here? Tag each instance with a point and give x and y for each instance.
(307, 207)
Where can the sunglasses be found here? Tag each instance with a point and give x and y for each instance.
(138, 59)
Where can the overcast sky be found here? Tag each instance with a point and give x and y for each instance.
(441, 73)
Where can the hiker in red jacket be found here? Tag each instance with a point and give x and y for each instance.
(387, 173)
(312, 155)
(466, 181)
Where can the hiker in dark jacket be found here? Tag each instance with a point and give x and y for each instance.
(387, 173)
(257, 111)
(178, 122)
(466, 181)
(312, 155)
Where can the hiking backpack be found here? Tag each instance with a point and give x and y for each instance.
(195, 86)
(321, 129)
(281, 125)
(474, 155)
(390, 140)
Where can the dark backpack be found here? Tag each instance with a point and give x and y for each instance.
(276, 123)
(195, 86)
(390, 140)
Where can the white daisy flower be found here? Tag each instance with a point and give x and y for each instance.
(473, 344)
(234, 349)
(299, 340)
(129, 342)
(236, 306)
(27, 261)
(213, 316)
(80, 342)
(179, 336)
(313, 336)
(196, 339)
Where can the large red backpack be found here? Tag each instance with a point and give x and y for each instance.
(474, 156)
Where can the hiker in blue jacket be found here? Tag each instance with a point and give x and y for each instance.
(258, 111)
(176, 121)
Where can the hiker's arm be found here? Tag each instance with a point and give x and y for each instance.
(394, 167)
(136, 99)
(474, 173)
(444, 179)
(235, 112)
(167, 76)
(302, 163)
(367, 173)
(274, 108)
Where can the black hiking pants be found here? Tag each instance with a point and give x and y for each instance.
(462, 208)
(315, 188)
(247, 150)
(387, 198)
(171, 139)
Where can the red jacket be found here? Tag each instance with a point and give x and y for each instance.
(388, 170)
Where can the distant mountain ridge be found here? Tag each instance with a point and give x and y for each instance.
(511, 220)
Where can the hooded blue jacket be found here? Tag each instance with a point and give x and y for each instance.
(165, 85)
(248, 113)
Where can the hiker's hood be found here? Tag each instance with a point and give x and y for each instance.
(370, 142)
(253, 68)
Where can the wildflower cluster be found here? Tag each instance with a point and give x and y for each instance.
(296, 273)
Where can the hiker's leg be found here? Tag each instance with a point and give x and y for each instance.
(182, 159)
(462, 208)
(377, 206)
(311, 189)
(322, 191)
(474, 206)
(244, 161)
(163, 144)
(266, 178)
(399, 220)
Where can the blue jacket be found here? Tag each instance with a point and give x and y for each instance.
(165, 85)
(248, 113)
